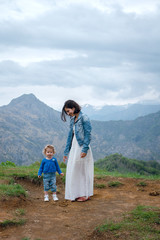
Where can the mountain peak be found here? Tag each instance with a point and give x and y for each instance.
(24, 98)
(29, 104)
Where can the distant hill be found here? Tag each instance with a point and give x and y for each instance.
(27, 125)
(124, 112)
(138, 139)
(118, 163)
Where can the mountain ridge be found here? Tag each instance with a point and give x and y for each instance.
(27, 125)
(121, 112)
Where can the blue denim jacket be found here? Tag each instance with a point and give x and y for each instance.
(82, 132)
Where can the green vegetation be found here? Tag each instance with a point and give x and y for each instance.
(20, 212)
(8, 164)
(114, 184)
(7, 223)
(143, 223)
(142, 184)
(12, 190)
(117, 163)
(9, 172)
(100, 185)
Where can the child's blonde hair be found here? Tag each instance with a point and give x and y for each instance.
(48, 146)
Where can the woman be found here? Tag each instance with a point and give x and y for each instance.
(80, 166)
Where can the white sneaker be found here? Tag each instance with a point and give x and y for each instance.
(46, 198)
(55, 198)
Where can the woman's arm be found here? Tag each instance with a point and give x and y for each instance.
(69, 139)
(87, 134)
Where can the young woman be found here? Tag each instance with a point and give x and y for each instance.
(80, 166)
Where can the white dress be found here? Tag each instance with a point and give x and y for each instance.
(79, 174)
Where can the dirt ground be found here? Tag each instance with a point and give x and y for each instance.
(74, 220)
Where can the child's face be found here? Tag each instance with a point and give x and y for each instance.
(49, 153)
(70, 111)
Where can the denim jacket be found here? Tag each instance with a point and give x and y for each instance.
(82, 133)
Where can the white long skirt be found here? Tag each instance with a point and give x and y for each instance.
(79, 173)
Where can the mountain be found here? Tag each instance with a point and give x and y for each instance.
(27, 125)
(138, 139)
(125, 112)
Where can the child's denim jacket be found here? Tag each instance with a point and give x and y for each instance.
(82, 133)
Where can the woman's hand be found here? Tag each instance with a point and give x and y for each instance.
(62, 174)
(83, 154)
(64, 158)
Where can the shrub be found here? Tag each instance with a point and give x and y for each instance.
(8, 164)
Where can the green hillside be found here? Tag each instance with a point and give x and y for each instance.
(117, 162)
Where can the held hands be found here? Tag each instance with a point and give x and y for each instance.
(62, 174)
(39, 176)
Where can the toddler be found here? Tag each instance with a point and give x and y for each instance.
(49, 166)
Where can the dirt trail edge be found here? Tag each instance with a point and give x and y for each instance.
(73, 220)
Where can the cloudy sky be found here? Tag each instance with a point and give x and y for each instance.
(93, 51)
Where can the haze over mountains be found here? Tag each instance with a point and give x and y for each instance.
(27, 125)
(124, 112)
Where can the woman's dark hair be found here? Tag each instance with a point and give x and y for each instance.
(69, 104)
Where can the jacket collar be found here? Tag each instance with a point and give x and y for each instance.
(79, 116)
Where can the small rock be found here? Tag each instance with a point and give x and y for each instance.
(154, 193)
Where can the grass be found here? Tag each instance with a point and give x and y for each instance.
(31, 171)
(143, 223)
(12, 172)
(142, 184)
(100, 185)
(20, 212)
(101, 173)
(9, 173)
(115, 184)
(13, 222)
(12, 190)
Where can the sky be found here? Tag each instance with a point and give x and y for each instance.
(97, 52)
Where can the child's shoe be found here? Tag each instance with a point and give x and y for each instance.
(46, 198)
(55, 198)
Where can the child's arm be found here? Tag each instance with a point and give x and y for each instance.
(41, 169)
(58, 168)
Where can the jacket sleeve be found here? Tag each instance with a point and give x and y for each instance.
(41, 168)
(87, 133)
(69, 139)
(57, 167)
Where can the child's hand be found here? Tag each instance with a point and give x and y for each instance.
(39, 176)
(62, 174)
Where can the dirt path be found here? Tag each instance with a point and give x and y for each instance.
(73, 220)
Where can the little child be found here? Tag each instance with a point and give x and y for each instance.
(49, 166)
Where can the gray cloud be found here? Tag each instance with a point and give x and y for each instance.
(112, 52)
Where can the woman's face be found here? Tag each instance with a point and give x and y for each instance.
(70, 111)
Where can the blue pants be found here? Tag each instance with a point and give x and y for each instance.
(49, 182)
